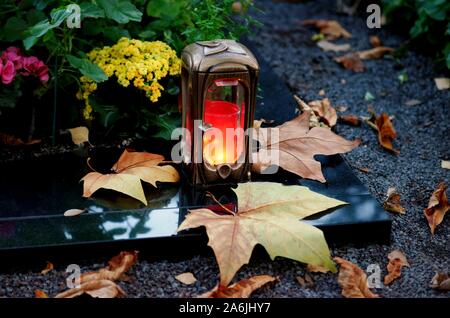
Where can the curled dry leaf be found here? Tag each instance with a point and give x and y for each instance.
(351, 61)
(330, 28)
(80, 135)
(296, 147)
(241, 289)
(375, 41)
(353, 280)
(186, 278)
(129, 170)
(306, 281)
(445, 164)
(324, 110)
(329, 46)
(38, 293)
(441, 281)
(102, 288)
(442, 83)
(314, 120)
(438, 206)
(396, 261)
(392, 202)
(49, 267)
(10, 140)
(352, 120)
(268, 214)
(74, 212)
(386, 132)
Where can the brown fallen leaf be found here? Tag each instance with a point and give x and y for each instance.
(74, 212)
(445, 164)
(330, 28)
(49, 267)
(353, 280)
(441, 281)
(269, 214)
(10, 140)
(322, 92)
(442, 83)
(102, 288)
(396, 261)
(324, 110)
(375, 41)
(314, 120)
(329, 46)
(392, 202)
(241, 289)
(386, 132)
(351, 61)
(374, 53)
(316, 269)
(117, 266)
(186, 278)
(297, 146)
(306, 281)
(80, 135)
(438, 206)
(129, 170)
(38, 293)
(352, 120)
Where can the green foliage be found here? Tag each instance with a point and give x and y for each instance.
(428, 22)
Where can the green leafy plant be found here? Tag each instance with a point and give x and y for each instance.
(428, 22)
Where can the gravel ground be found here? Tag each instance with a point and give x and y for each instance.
(422, 140)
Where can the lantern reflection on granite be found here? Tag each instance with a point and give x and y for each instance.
(218, 101)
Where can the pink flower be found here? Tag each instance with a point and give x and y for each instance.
(8, 72)
(14, 55)
(33, 66)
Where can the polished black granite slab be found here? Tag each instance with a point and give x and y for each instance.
(35, 193)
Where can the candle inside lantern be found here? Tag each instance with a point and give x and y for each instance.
(223, 142)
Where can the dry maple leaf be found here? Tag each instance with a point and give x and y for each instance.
(438, 206)
(396, 261)
(296, 147)
(47, 268)
(351, 61)
(268, 214)
(353, 280)
(330, 28)
(79, 135)
(129, 170)
(324, 110)
(392, 202)
(102, 288)
(186, 278)
(241, 289)
(441, 281)
(117, 266)
(352, 120)
(329, 46)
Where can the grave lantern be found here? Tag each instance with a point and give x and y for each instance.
(219, 80)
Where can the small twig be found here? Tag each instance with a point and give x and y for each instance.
(210, 195)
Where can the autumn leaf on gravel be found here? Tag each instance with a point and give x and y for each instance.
(351, 61)
(317, 269)
(375, 41)
(396, 261)
(117, 266)
(49, 267)
(441, 281)
(186, 278)
(392, 202)
(386, 131)
(10, 140)
(297, 146)
(38, 293)
(374, 53)
(305, 281)
(445, 164)
(241, 289)
(330, 28)
(438, 206)
(102, 288)
(79, 135)
(324, 110)
(353, 280)
(314, 120)
(351, 120)
(442, 83)
(329, 46)
(268, 214)
(129, 170)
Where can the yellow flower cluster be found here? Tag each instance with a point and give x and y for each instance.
(135, 62)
